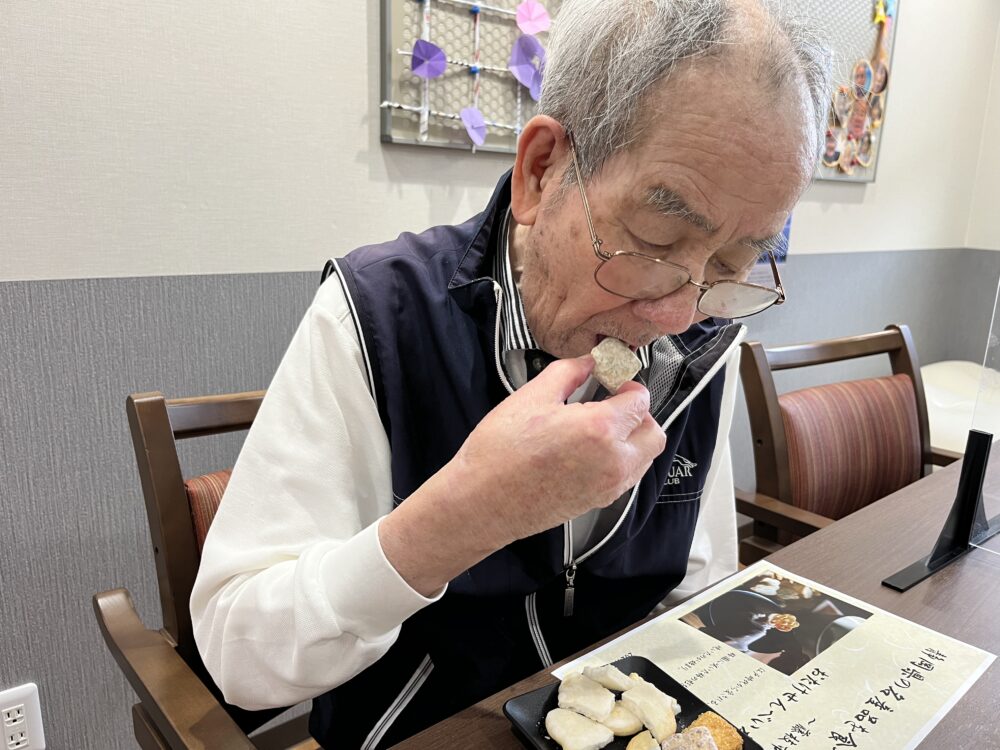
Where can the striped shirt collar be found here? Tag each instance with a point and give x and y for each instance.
(515, 336)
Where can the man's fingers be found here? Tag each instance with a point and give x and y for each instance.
(648, 439)
(557, 382)
(630, 405)
(641, 448)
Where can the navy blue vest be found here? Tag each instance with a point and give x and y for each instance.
(426, 310)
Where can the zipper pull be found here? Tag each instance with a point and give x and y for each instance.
(570, 592)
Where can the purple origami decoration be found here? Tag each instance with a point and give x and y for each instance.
(475, 124)
(532, 18)
(428, 61)
(527, 62)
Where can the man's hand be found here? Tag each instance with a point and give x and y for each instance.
(536, 461)
(531, 464)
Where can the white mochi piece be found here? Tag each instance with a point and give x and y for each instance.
(609, 676)
(654, 708)
(583, 695)
(575, 732)
(614, 364)
(643, 741)
(635, 676)
(622, 722)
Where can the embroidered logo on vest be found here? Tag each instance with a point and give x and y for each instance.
(681, 468)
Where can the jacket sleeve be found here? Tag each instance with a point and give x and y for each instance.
(714, 549)
(282, 606)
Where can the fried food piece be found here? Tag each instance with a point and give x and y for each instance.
(575, 732)
(609, 676)
(783, 622)
(643, 741)
(583, 695)
(622, 722)
(725, 735)
(614, 363)
(698, 738)
(654, 708)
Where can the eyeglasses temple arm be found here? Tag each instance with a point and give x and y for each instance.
(594, 239)
(777, 277)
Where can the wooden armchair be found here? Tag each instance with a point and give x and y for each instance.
(179, 705)
(821, 453)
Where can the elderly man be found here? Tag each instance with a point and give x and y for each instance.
(428, 507)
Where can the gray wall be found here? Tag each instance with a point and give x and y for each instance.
(71, 516)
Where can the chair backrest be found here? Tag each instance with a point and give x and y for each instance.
(833, 448)
(176, 524)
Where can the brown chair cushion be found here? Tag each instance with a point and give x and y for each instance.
(851, 443)
(204, 495)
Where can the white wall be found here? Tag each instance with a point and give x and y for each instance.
(182, 137)
(942, 61)
(984, 219)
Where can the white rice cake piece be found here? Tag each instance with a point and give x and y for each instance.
(575, 732)
(622, 722)
(643, 741)
(654, 708)
(583, 695)
(640, 679)
(610, 677)
(614, 363)
(693, 738)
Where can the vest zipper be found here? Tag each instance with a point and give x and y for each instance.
(570, 562)
(570, 593)
(399, 704)
(498, 293)
(533, 625)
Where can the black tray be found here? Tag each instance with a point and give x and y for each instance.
(527, 712)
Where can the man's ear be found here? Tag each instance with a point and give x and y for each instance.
(541, 150)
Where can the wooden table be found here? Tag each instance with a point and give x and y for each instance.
(852, 556)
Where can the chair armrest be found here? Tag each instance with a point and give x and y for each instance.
(177, 701)
(943, 456)
(778, 514)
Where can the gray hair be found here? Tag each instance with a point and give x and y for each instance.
(604, 56)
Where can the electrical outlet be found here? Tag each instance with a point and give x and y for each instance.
(13, 716)
(21, 719)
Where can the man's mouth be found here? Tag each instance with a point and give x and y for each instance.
(601, 336)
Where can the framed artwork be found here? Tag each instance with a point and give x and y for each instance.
(462, 74)
(861, 33)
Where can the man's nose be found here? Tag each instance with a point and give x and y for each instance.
(673, 313)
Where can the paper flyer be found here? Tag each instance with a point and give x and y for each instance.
(800, 666)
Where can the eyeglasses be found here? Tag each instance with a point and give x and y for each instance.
(636, 276)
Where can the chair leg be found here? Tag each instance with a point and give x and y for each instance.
(753, 548)
(146, 734)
